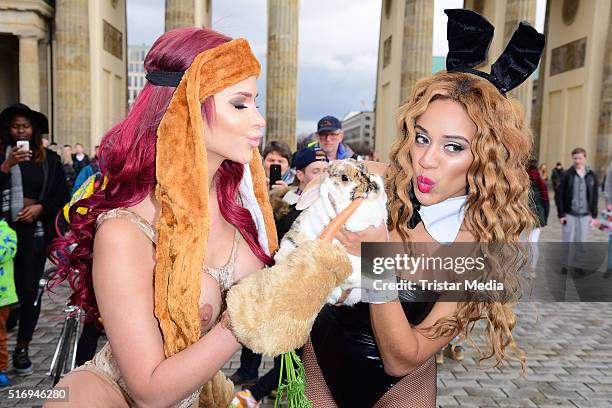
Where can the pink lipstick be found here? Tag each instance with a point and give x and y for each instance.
(424, 184)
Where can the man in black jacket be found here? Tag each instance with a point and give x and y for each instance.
(576, 200)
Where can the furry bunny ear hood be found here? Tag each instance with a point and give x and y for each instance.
(182, 189)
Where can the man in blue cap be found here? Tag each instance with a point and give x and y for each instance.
(329, 138)
(309, 163)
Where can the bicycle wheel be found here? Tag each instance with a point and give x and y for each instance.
(63, 355)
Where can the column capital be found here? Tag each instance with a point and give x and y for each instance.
(25, 36)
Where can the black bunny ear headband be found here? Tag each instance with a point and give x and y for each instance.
(469, 36)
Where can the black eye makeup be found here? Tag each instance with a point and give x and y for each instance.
(239, 104)
(421, 139)
(454, 147)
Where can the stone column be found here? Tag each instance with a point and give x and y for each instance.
(281, 79)
(417, 44)
(29, 72)
(72, 72)
(179, 13)
(188, 13)
(203, 13)
(604, 134)
(536, 110)
(517, 11)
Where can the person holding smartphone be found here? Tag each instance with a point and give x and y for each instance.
(33, 188)
(276, 158)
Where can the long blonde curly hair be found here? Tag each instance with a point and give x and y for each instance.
(497, 206)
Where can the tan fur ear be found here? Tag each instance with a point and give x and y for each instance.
(182, 190)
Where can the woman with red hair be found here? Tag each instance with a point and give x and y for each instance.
(181, 167)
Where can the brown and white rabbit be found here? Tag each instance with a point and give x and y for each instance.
(323, 199)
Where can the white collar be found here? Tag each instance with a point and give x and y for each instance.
(443, 220)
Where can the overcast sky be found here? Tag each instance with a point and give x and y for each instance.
(337, 51)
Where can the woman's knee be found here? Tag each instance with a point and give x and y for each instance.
(86, 389)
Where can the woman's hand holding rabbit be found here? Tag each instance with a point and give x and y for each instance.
(352, 240)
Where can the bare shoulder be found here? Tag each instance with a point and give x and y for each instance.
(118, 234)
(376, 167)
(119, 245)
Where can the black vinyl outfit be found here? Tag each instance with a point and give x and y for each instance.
(344, 344)
(347, 354)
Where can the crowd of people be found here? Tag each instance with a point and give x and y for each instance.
(201, 226)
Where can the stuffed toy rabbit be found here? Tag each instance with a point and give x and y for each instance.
(273, 309)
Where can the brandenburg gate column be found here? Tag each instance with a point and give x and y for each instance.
(281, 76)
(29, 72)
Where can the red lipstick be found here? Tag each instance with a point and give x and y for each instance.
(424, 184)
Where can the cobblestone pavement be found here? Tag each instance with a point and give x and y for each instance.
(568, 348)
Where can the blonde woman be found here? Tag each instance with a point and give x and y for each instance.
(461, 159)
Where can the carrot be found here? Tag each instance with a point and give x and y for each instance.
(334, 225)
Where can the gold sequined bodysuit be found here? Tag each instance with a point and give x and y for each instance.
(104, 364)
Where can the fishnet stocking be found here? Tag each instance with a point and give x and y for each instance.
(416, 390)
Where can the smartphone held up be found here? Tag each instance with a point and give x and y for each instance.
(23, 145)
(275, 174)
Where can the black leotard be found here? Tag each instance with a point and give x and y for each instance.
(347, 354)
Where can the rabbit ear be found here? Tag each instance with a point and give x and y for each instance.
(311, 193)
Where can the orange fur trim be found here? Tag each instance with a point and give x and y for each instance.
(182, 190)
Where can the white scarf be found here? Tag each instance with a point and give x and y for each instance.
(249, 201)
(443, 220)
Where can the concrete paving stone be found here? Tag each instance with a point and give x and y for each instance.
(524, 393)
(568, 394)
(549, 370)
(463, 383)
(593, 404)
(496, 383)
(446, 401)
(576, 378)
(515, 402)
(488, 392)
(558, 362)
(604, 380)
(451, 391)
(601, 396)
(586, 371)
(547, 402)
(598, 387)
(511, 376)
(475, 401)
(458, 368)
(575, 386)
(543, 378)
